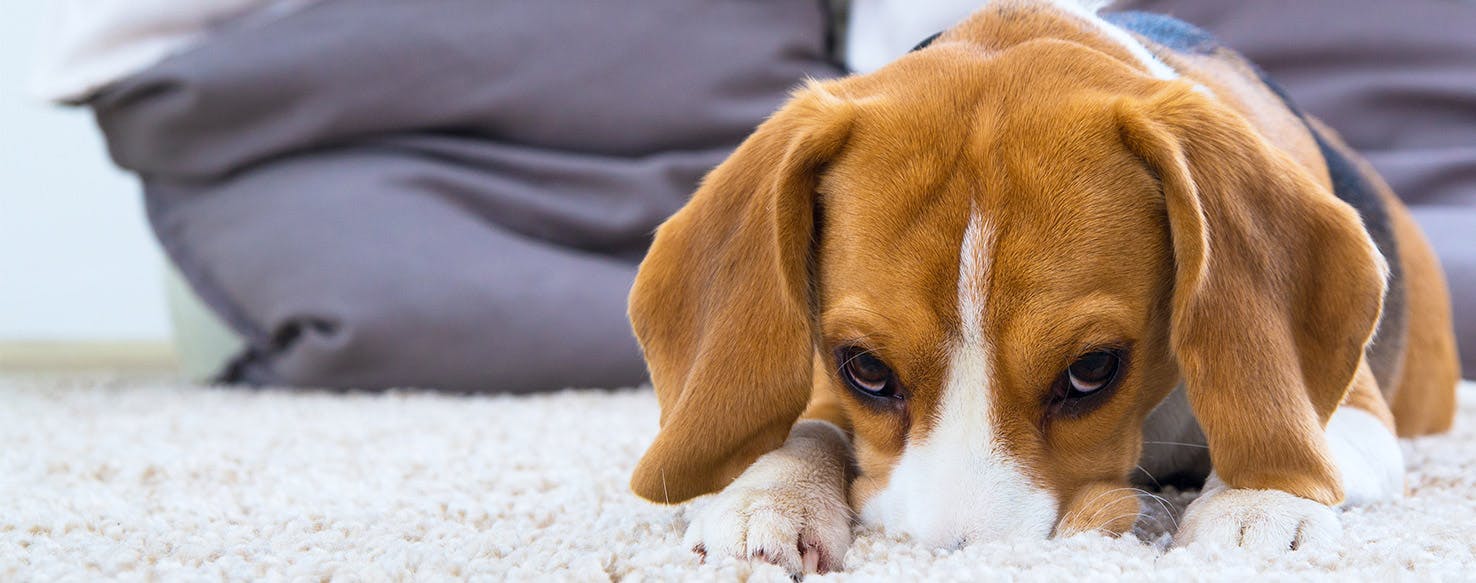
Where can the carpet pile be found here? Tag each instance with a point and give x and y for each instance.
(159, 480)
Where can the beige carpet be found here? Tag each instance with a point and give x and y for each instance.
(146, 480)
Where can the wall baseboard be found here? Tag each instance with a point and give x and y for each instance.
(87, 355)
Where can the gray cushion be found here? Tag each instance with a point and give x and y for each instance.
(446, 193)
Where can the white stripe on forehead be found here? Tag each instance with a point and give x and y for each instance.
(966, 393)
(973, 271)
(958, 483)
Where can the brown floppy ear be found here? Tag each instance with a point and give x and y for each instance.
(722, 304)
(1278, 289)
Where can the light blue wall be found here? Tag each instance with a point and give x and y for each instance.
(77, 262)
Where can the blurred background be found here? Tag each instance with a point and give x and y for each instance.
(462, 203)
(81, 278)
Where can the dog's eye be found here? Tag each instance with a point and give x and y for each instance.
(1087, 382)
(1091, 372)
(865, 373)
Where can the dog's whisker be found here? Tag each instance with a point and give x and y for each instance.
(868, 350)
(1150, 475)
(1098, 495)
(1100, 509)
(1077, 512)
(1178, 443)
(1103, 528)
(1165, 505)
(1136, 493)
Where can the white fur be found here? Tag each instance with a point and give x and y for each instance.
(1256, 520)
(1372, 466)
(1367, 453)
(958, 485)
(882, 30)
(788, 508)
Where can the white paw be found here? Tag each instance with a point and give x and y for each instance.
(788, 508)
(1258, 520)
(1368, 457)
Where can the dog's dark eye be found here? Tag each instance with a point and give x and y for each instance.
(1091, 372)
(1087, 382)
(865, 373)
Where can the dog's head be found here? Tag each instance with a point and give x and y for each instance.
(1004, 260)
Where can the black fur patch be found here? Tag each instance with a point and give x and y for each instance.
(1165, 30)
(927, 41)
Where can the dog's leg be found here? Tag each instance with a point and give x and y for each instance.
(1361, 439)
(788, 508)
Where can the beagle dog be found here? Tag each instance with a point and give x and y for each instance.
(982, 291)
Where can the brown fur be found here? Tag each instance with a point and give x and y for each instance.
(1422, 398)
(1424, 401)
(722, 306)
(1196, 230)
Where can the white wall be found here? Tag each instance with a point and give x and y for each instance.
(77, 262)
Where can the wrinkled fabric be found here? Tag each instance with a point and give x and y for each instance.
(454, 194)
(446, 193)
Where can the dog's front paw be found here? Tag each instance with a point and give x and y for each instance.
(789, 508)
(1258, 520)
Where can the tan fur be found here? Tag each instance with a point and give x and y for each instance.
(1424, 402)
(1422, 399)
(825, 405)
(1259, 243)
(1365, 395)
(1235, 84)
(1105, 507)
(1194, 228)
(722, 306)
